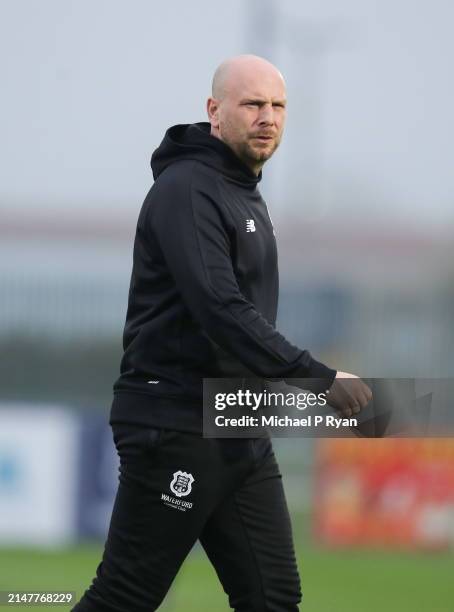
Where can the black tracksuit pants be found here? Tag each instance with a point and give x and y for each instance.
(178, 487)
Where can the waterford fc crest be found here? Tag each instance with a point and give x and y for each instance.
(181, 484)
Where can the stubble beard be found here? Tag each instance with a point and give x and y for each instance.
(244, 149)
(251, 155)
(257, 155)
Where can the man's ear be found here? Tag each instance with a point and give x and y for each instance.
(213, 112)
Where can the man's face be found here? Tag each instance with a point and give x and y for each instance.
(251, 116)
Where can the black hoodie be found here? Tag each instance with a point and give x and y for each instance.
(204, 286)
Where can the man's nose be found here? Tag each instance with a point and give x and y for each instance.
(266, 115)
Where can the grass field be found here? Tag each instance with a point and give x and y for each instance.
(333, 581)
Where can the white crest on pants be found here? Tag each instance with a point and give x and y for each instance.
(181, 485)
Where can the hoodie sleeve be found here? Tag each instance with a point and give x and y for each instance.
(193, 236)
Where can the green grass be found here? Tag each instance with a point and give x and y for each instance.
(333, 581)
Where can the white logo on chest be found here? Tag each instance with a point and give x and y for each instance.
(250, 225)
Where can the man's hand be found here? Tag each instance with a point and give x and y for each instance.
(348, 394)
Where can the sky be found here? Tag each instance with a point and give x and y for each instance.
(89, 88)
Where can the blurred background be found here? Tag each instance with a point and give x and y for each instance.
(361, 194)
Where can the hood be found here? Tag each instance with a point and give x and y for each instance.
(194, 141)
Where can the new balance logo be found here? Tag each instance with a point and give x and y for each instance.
(250, 225)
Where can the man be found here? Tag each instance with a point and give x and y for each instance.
(202, 303)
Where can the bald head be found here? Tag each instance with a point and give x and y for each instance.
(239, 69)
(247, 108)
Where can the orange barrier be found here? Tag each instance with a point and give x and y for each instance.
(395, 493)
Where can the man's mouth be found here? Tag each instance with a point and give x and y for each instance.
(263, 138)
